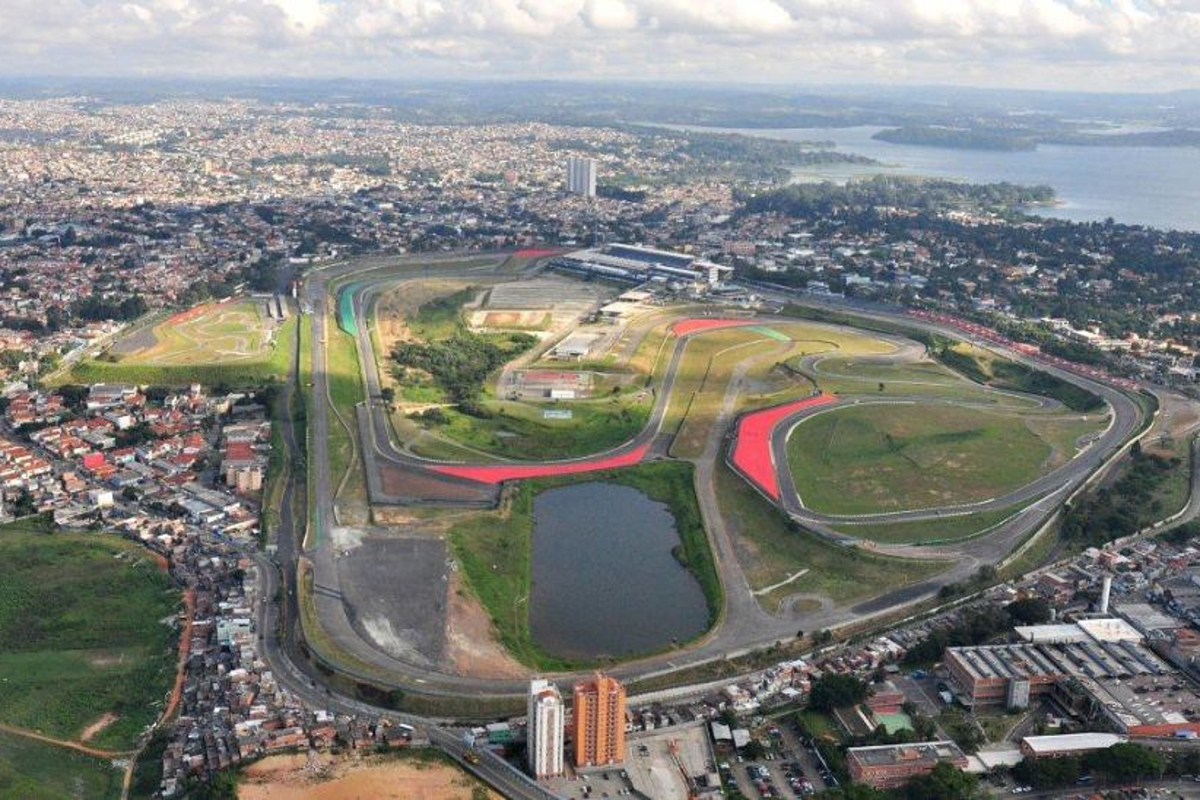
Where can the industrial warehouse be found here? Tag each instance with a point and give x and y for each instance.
(1094, 665)
(635, 264)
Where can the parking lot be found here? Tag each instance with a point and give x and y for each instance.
(790, 770)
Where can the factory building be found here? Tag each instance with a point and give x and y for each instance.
(635, 264)
(1101, 663)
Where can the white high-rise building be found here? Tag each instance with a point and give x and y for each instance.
(581, 176)
(545, 732)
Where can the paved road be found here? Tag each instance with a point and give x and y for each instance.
(744, 626)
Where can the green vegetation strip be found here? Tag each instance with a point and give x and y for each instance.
(933, 531)
(495, 550)
(771, 333)
(81, 619)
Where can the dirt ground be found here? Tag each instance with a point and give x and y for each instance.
(326, 777)
(470, 647)
(395, 306)
(97, 726)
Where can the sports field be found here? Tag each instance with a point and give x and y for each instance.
(890, 457)
(234, 342)
(86, 655)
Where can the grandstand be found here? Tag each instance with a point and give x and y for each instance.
(636, 264)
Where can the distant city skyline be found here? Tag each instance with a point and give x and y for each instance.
(1123, 45)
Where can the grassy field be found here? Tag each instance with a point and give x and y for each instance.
(203, 365)
(31, 770)
(81, 621)
(866, 459)
(494, 549)
(772, 550)
(927, 531)
(518, 430)
(921, 378)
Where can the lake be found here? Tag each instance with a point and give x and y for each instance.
(1158, 186)
(605, 582)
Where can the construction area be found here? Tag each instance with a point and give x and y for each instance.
(671, 763)
(543, 304)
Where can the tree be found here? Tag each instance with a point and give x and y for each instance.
(754, 750)
(1029, 611)
(1046, 773)
(1126, 762)
(387, 394)
(835, 691)
(943, 782)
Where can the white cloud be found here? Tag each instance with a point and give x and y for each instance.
(1081, 43)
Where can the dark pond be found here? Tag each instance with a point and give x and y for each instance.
(605, 582)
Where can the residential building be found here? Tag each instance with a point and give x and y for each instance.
(581, 176)
(599, 722)
(545, 733)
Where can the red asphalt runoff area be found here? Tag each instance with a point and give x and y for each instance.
(685, 326)
(500, 473)
(752, 450)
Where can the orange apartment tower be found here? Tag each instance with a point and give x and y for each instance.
(599, 722)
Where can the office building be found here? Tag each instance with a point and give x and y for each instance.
(581, 176)
(599, 722)
(545, 732)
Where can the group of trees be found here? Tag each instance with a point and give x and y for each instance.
(1123, 508)
(460, 363)
(1126, 762)
(836, 691)
(959, 138)
(821, 199)
(975, 626)
(96, 307)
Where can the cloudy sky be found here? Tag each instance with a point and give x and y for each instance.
(1069, 44)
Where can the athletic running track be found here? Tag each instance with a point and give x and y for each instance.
(752, 447)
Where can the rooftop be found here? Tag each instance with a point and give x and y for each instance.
(918, 752)
(1071, 742)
